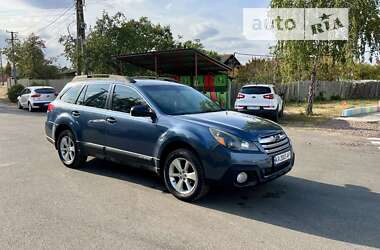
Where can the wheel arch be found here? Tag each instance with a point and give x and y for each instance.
(59, 129)
(170, 147)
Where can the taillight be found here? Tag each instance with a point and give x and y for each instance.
(35, 95)
(50, 107)
(270, 96)
(240, 96)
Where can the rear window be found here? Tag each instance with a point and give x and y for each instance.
(70, 96)
(45, 91)
(255, 90)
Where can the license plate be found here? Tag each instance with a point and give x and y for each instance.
(281, 158)
(253, 108)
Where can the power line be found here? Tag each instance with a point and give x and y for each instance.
(55, 20)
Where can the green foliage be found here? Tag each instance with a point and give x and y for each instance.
(39, 84)
(196, 44)
(334, 59)
(335, 98)
(321, 97)
(318, 57)
(14, 92)
(30, 59)
(115, 35)
(258, 71)
(366, 72)
(8, 69)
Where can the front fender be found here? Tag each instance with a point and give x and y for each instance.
(192, 138)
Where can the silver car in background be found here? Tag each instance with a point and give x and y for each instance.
(36, 97)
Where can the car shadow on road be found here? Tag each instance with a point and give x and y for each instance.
(346, 213)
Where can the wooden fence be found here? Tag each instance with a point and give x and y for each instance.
(298, 91)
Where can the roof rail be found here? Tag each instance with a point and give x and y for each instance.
(102, 77)
(163, 78)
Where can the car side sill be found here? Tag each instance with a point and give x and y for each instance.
(51, 140)
(119, 151)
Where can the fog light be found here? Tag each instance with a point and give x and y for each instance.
(242, 177)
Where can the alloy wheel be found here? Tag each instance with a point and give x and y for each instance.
(67, 149)
(183, 176)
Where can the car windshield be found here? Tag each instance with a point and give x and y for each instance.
(44, 91)
(257, 90)
(179, 100)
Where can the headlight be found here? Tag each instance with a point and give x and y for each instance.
(231, 141)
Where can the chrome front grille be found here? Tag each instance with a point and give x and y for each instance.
(274, 143)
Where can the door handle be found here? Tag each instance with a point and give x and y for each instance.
(111, 120)
(75, 113)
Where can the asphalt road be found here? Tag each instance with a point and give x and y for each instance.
(331, 199)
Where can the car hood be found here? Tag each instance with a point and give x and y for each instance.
(236, 123)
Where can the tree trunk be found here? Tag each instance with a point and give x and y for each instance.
(310, 97)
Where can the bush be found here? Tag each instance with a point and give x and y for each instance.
(14, 92)
(39, 84)
(320, 97)
(335, 98)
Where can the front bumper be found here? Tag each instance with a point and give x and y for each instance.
(257, 174)
(222, 167)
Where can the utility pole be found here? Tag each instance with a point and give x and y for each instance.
(12, 40)
(81, 37)
(1, 67)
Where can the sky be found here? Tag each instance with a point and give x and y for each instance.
(217, 23)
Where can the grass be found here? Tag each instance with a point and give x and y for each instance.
(322, 110)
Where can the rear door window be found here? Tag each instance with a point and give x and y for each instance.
(256, 90)
(96, 95)
(70, 96)
(45, 91)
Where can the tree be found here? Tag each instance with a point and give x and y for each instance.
(258, 71)
(30, 58)
(115, 35)
(196, 44)
(297, 57)
(8, 69)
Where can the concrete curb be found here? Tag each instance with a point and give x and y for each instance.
(360, 111)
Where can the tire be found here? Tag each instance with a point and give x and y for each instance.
(73, 158)
(183, 175)
(19, 106)
(282, 112)
(275, 115)
(30, 108)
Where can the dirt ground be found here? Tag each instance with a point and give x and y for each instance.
(325, 114)
(3, 94)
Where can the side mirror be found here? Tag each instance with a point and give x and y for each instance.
(142, 111)
(18, 97)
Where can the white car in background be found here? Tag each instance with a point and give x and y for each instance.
(36, 97)
(260, 99)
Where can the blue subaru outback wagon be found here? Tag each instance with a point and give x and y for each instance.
(166, 127)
